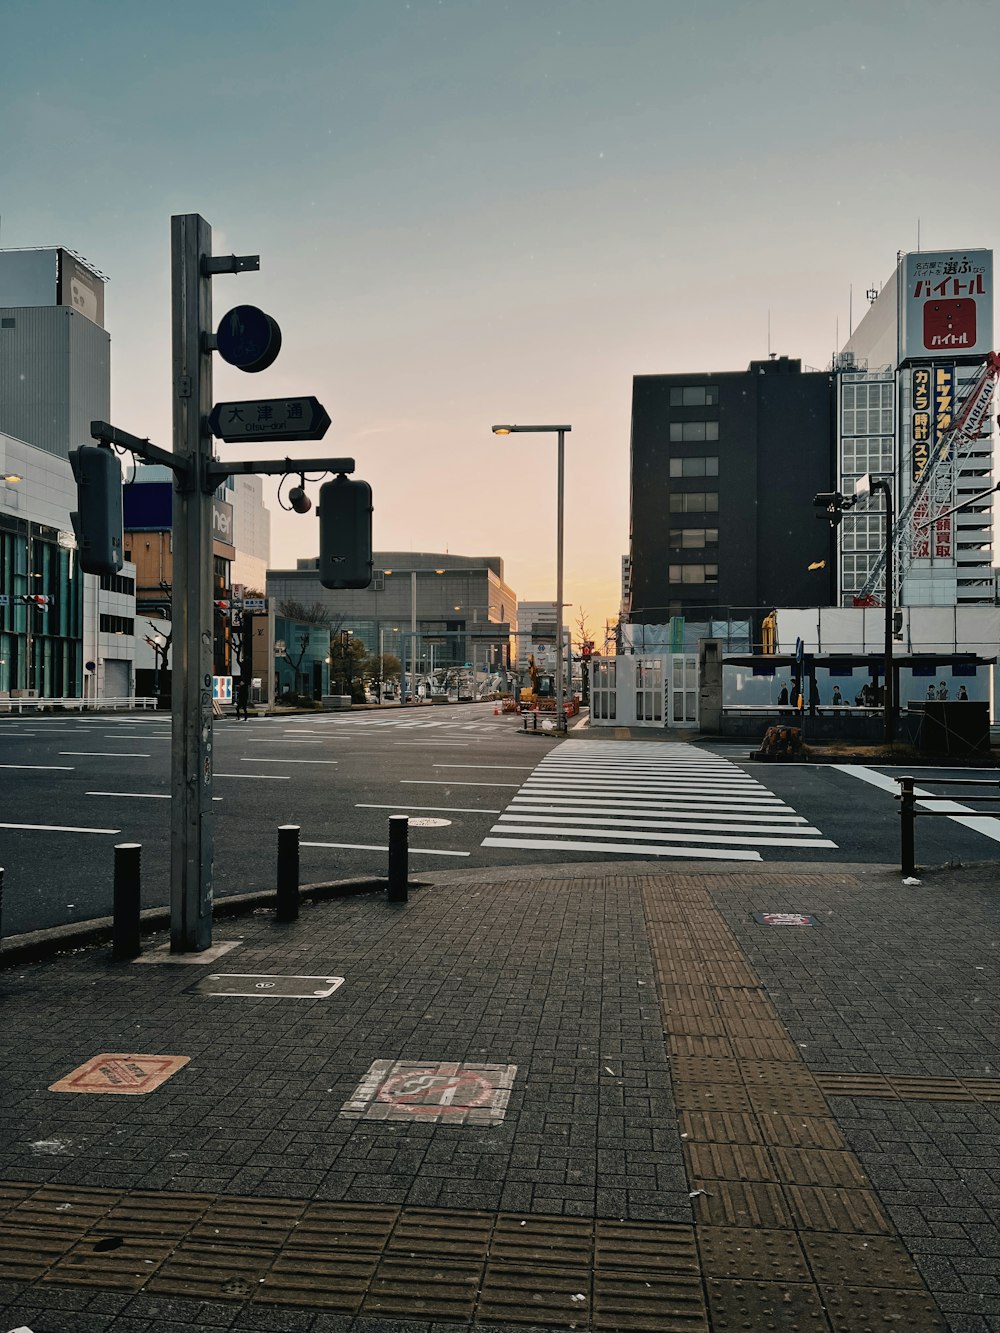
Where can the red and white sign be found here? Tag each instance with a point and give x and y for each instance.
(947, 303)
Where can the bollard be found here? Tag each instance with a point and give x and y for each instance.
(398, 855)
(1, 904)
(288, 872)
(907, 816)
(125, 922)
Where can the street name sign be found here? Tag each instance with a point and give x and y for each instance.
(269, 419)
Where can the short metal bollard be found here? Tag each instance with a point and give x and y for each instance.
(907, 821)
(127, 901)
(288, 872)
(399, 874)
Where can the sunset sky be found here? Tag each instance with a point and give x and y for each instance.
(475, 211)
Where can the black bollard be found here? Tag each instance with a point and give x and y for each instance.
(398, 856)
(125, 925)
(907, 820)
(288, 872)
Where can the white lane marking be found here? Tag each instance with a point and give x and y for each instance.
(139, 796)
(371, 847)
(720, 802)
(668, 837)
(106, 754)
(112, 736)
(277, 740)
(54, 768)
(445, 809)
(988, 825)
(673, 784)
(447, 782)
(692, 853)
(497, 768)
(555, 806)
(289, 761)
(59, 828)
(259, 777)
(616, 821)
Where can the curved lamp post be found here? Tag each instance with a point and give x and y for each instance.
(561, 432)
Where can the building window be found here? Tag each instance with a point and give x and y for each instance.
(682, 539)
(694, 467)
(118, 583)
(864, 532)
(689, 432)
(867, 453)
(694, 502)
(117, 625)
(695, 395)
(855, 569)
(694, 573)
(378, 580)
(867, 408)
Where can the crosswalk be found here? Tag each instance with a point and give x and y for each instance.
(641, 798)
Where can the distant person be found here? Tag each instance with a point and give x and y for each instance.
(837, 698)
(963, 696)
(243, 699)
(814, 699)
(783, 696)
(943, 691)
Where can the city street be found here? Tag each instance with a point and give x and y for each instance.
(478, 791)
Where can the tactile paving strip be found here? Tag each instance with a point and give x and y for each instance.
(353, 1259)
(908, 1088)
(768, 1168)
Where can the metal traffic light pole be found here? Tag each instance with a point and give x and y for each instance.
(191, 833)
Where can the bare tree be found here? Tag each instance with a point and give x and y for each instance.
(314, 614)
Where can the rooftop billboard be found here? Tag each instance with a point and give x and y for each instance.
(947, 304)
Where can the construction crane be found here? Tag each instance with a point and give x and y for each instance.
(934, 490)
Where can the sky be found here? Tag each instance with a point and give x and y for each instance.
(479, 211)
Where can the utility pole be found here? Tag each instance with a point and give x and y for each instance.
(191, 838)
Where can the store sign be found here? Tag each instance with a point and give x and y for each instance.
(933, 392)
(947, 303)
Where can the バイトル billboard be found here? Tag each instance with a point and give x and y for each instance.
(947, 304)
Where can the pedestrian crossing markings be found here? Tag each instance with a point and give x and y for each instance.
(649, 799)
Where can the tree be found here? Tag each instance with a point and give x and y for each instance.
(585, 644)
(380, 669)
(347, 655)
(313, 614)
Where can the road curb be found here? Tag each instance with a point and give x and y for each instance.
(37, 945)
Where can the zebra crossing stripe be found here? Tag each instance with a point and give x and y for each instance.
(691, 853)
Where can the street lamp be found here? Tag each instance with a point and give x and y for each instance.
(561, 432)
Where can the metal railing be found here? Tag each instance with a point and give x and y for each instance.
(908, 812)
(78, 705)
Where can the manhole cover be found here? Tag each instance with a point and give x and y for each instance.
(425, 821)
(267, 986)
(785, 919)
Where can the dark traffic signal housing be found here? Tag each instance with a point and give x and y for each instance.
(97, 520)
(834, 505)
(345, 533)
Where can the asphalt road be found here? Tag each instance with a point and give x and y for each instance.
(478, 792)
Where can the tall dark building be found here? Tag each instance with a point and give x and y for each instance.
(724, 471)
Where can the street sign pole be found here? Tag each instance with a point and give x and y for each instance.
(191, 840)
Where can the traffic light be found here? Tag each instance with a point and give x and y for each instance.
(97, 521)
(37, 599)
(345, 533)
(834, 505)
(222, 606)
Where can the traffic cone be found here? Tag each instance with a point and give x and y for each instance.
(496, 710)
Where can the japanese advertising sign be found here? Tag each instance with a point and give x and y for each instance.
(947, 303)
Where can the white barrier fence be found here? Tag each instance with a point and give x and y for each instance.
(76, 705)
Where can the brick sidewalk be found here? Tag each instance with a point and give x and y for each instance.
(603, 1097)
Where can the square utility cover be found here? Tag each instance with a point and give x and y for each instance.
(785, 919)
(267, 986)
(445, 1093)
(128, 1075)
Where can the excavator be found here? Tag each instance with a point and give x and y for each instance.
(542, 691)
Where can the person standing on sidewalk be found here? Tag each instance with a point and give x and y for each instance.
(243, 699)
